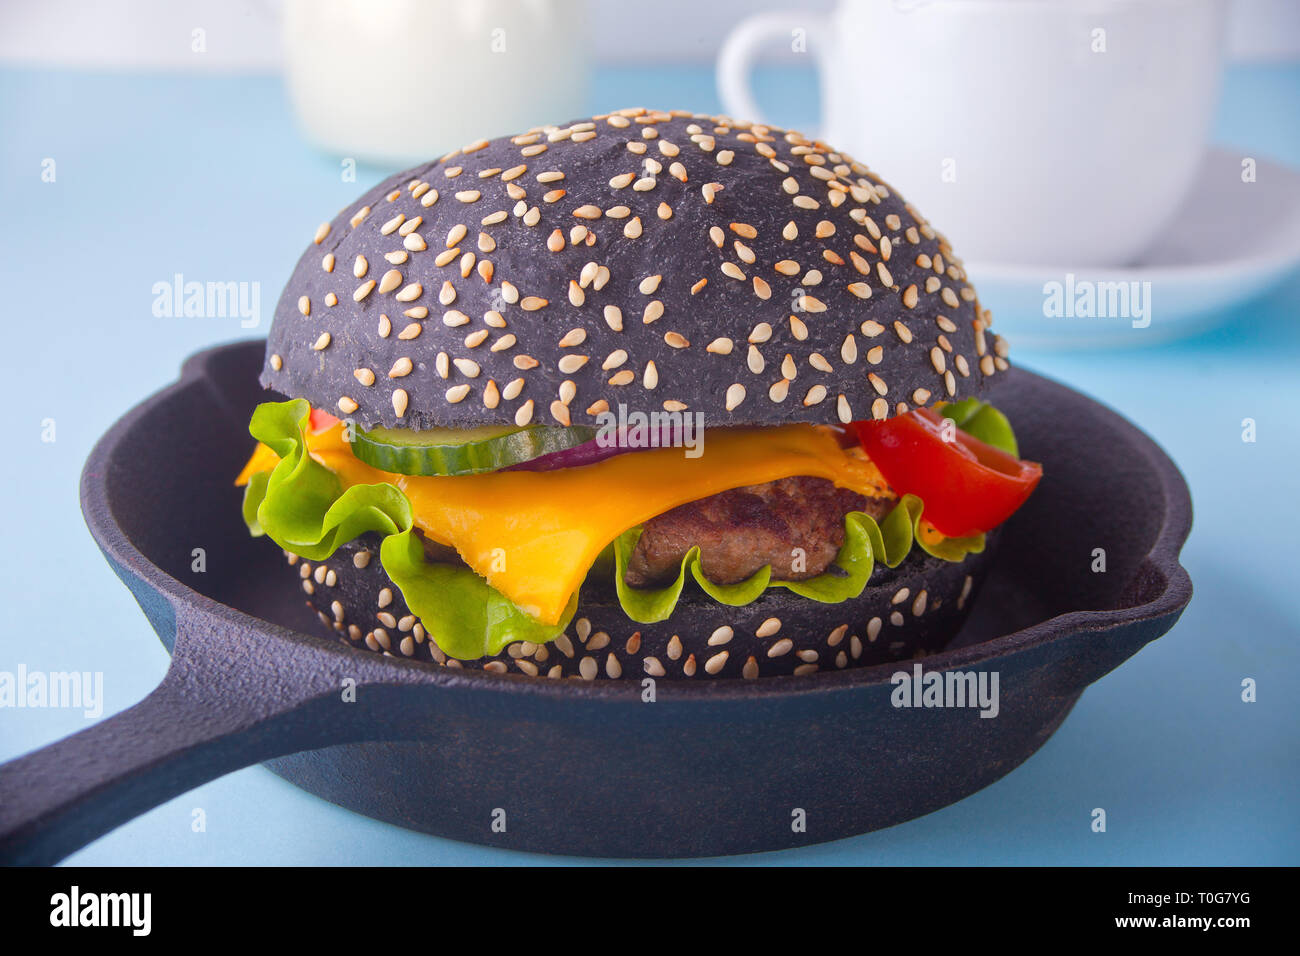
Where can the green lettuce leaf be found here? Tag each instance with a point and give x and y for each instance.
(865, 542)
(301, 505)
(981, 420)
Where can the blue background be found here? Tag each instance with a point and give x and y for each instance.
(206, 176)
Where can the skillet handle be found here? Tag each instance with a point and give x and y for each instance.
(201, 722)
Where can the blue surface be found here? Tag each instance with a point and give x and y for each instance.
(205, 176)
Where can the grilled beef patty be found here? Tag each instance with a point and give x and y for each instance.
(741, 530)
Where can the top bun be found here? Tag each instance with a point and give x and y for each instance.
(657, 260)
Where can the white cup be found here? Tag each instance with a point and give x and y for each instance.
(1050, 132)
(400, 81)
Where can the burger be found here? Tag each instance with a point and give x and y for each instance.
(647, 394)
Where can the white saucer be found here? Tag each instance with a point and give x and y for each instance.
(1229, 242)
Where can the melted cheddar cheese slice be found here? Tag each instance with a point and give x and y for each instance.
(535, 534)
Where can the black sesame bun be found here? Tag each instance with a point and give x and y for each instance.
(654, 259)
(905, 612)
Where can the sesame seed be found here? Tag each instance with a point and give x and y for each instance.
(400, 401)
(277, 363)
(304, 305)
(401, 367)
(842, 409)
(322, 231)
(768, 627)
(411, 331)
(936, 359)
(819, 362)
(719, 346)
(715, 663)
(328, 262)
(322, 342)
(632, 230)
(814, 395)
(532, 303)
(524, 414)
(732, 271)
(410, 293)
(347, 405)
(735, 395)
(363, 290)
(754, 360)
(467, 367)
(614, 317)
(880, 409)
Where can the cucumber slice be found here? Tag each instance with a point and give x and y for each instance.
(462, 451)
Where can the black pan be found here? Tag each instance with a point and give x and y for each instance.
(708, 768)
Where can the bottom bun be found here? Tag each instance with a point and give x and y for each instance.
(904, 612)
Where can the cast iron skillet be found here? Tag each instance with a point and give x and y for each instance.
(707, 768)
